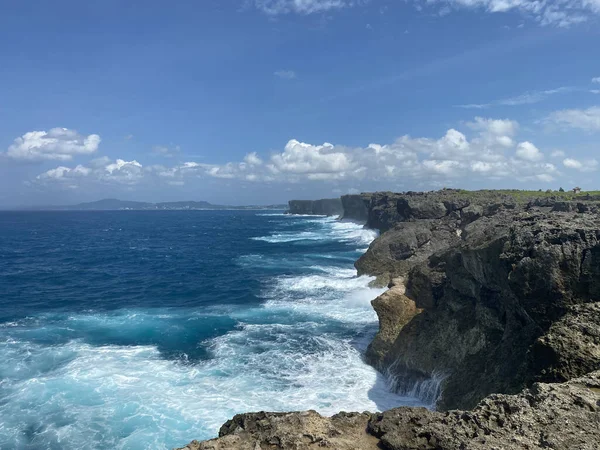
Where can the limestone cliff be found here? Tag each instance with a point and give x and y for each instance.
(498, 293)
(323, 207)
(355, 207)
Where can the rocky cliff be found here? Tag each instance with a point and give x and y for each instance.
(355, 207)
(324, 207)
(490, 294)
(545, 416)
(495, 292)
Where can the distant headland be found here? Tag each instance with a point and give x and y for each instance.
(111, 204)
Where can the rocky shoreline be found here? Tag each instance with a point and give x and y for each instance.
(493, 306)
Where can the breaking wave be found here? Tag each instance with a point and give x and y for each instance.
(284, 328)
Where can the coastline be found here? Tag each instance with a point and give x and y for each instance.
(492, 257)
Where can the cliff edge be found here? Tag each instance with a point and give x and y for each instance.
(323, 207)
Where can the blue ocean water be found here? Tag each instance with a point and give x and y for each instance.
(145, 330)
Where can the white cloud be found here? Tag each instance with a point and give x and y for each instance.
(583, 119)
(559, 13)
(285, 74)
(529, 152)
(253, 159)
(445, 167)
(276, 7)
(495, 131)
(56, 144)
(486, 150)
(557, 154)
(301, 158)
(589, 165)
(99, 170)
(572, 163)
(596, 80)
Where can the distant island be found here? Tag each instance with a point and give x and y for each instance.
(111, 204)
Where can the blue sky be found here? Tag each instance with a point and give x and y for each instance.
(259, 101)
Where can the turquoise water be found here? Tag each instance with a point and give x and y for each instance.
(145, 330)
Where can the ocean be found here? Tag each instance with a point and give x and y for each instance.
(147, 329)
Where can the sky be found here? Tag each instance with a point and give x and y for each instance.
(262, 101)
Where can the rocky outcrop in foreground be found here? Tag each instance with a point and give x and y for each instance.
(324, 207)
(546, 416)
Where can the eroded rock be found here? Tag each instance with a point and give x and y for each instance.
(293, 431)
(546, 416)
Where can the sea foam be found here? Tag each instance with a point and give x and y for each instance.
(155, 378)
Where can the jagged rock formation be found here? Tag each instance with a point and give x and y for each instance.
(395, 310)
(324, 207)
(501, 293)
(546, 416)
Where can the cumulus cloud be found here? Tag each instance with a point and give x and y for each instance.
(56, 144)
(253, 159)
(285, 74)
(497, 127)
(583, 119)
(485, 150)
(559, 13)
(529, 152)
(99, 170)
(589, 165)
(596, 80)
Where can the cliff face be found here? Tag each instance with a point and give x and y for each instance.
(324, 207)
(356, 207)
(495, 294)
(547, 416)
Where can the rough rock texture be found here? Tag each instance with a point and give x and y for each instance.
(407, 244)
(324, 207)
(509, 294)
(297, 431)
(386, 209)
(546, 416)
(394, 310)
(355, 207)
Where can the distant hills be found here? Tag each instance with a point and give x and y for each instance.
(111, 204)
